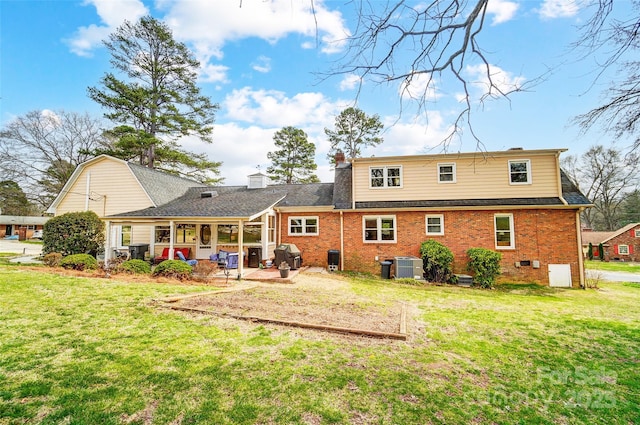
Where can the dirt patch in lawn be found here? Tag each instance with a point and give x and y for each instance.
(312, 299)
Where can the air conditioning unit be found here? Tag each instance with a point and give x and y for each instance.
(410, 267)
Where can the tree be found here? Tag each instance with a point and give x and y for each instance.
(631, 208)
(619, 113)
(354, 130)
(294, 161)
(41, 149)
(13, 200)
(73, 233)
(443, 38)
(157, 101)
(606, 178)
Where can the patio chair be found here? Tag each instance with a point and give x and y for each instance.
(183, 258)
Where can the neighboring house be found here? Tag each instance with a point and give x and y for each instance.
(21, 226)
(620, 245)
(516, 202)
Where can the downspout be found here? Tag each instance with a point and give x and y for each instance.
(559, 180)
(580, 255)
(341, 241)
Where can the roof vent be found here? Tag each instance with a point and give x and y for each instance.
(209, 194)
(257, 181)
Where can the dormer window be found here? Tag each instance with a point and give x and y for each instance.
(520, 171)
(382, 177)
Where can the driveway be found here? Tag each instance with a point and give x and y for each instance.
(619, 276)
(17, 247)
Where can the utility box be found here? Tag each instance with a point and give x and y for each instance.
(410, 267)
(333, 259)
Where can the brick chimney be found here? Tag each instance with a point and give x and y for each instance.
(339, 158)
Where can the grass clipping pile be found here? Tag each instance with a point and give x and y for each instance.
(305, 307)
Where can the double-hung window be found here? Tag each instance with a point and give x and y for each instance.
(520, 171)
(381, 177)
(636, 233)
(303, 226)
(504, 231)
(623, 249)
(125, 236)
(379, 228)
(435, 224)
(447, 173)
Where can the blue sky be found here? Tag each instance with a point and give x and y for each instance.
(261, 63)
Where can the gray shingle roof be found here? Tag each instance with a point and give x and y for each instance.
(229, 201)
(162, 187)
(571, 193)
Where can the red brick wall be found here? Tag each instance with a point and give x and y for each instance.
(627, 238)
(314, 249)
(548, 236)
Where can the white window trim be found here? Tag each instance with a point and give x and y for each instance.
(426, 222)
(512, 240)
(528, 162)
(385, 177)
(637, 233)
(379, 219)
(447, 164)
(304, 225)
(626, 248)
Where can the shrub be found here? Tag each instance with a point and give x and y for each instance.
(173, 268)
(135, 266)
(52, 259)
(437, 261)
(73, 233)
(79, 262)
(485, 264)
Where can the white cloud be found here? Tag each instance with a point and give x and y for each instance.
(112, 14)
(503, 80)
(350, 82)
(210, 24)
(413, 138)
(552, 9)
(262, 64)
(274, 108)
(421, 85)
(502, 10)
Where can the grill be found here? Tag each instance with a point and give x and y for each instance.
(289, 253)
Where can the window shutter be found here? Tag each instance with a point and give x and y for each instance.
(615, 249)
(633, 233)
(630, 249)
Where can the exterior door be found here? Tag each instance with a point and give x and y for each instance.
(204, 241)
(560, 275)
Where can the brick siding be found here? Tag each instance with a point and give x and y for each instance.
(546, 235)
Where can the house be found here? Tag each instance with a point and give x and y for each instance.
(21, 226)
(518, 202)
(620, 245)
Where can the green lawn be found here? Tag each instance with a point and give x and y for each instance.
(98, 351)
(613, 266)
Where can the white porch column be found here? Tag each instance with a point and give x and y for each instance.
(108, 252)
(172, 235)
(240, 249)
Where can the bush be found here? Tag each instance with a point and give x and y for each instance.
(73, 233)
(485, 264)
(79, 262)
(437, 262)
(173, 268)
(52, 259)
(135, 267)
